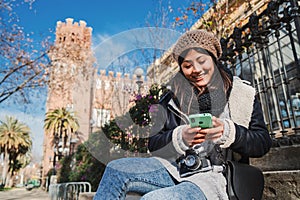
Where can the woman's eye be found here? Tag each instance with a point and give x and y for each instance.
(201, 62)
(187, 66)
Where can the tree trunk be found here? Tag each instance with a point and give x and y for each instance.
(8, 182)
(5, 167)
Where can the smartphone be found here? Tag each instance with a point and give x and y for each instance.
(202, 120)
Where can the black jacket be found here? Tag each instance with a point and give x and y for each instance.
(253, 141)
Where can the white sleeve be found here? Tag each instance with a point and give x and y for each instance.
(228, 136)
(177, 140)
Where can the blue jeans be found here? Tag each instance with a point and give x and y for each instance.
(146, 176)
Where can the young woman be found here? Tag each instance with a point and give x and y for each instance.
(187, 161)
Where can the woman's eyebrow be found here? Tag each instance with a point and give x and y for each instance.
(189, 61)
(199, 57)
(195, 59)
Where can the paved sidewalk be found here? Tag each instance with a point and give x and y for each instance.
(22, 193)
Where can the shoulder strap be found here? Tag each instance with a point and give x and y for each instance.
(228, 155)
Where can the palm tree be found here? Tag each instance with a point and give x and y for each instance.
(61, 124)
(20, 157)
(15, 141)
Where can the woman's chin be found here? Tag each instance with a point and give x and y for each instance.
(201, 83)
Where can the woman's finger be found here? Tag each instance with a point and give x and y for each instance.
(197, 141)
(216, 122)
(213, 136)
(199, 136)
(189, 133)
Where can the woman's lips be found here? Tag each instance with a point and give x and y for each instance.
(199, 77)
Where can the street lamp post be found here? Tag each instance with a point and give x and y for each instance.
(139, 73)
(73, 142)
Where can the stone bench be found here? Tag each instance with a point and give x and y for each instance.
(282, 185)
(281, 168)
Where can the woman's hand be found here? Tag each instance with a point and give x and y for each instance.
(216, 131)
(192, 136)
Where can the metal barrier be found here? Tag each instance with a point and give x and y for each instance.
(266, 52)
(68, 191)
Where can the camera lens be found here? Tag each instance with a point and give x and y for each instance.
(190, 160)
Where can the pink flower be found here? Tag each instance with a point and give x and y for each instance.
(138, 97)
(83, 178)
(153, 108)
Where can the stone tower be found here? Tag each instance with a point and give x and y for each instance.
(72, 63)
(70, 80)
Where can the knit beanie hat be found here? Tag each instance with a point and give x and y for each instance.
(198, 38)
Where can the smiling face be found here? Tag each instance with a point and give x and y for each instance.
(198, 67)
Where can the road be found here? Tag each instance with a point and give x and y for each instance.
(22, 193)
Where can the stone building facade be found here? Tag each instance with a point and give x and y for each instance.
(112, 95)
(75, 83)
(70, 80)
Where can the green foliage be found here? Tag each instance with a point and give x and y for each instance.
(50, 172)
(82, 166)
(123, 131)
(140, 112)
(141, 116)
(98, 145)
(62, 125)
(61, 122)
(15, 144)
(64, 171)
(13, 134)
(130, 131)
(3, 189)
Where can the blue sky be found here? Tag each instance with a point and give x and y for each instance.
(107, 18)
(104, 16)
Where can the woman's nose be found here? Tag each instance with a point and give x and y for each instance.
(197, 68)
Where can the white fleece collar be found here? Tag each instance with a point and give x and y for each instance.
(241, 102)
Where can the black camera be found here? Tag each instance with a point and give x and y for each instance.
(193, 161)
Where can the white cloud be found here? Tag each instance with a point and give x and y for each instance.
(107, 49)
(107, 53)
